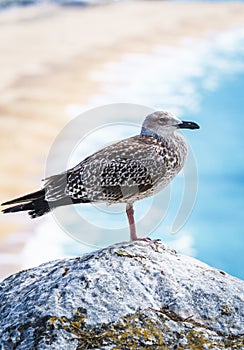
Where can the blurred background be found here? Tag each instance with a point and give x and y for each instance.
(60, 59)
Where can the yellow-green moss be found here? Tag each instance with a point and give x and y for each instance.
(140, 331)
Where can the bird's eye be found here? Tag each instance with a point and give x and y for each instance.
(161, 120)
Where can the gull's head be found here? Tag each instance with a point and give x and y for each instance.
(162, 123)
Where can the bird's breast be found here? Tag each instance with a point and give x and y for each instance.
(171, 152)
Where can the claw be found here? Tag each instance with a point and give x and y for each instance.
(147, 239)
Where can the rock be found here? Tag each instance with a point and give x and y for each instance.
(128, 296)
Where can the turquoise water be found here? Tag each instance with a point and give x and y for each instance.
(218, 214)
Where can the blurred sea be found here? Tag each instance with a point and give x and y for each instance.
(79, 3)
(203, 81)
(4, 4)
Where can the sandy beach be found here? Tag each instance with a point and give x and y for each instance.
(47, 56)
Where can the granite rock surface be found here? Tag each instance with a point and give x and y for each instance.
(128, 296)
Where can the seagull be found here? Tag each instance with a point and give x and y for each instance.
(124, 172)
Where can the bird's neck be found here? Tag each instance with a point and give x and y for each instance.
(151, 133)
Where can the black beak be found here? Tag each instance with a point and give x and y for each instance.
(188, 125)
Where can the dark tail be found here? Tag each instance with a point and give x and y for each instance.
(34, 203)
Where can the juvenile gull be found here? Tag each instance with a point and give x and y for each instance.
(126, 171)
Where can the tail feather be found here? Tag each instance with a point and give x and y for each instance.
(28, 197)
(36, 204)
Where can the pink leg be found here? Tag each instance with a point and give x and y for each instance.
(130, 215)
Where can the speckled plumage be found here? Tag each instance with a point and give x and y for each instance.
(124, 172)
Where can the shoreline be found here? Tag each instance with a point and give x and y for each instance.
(34, 95)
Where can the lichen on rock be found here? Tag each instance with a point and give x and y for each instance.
(139, 295)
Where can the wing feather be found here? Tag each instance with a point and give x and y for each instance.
(117, 172)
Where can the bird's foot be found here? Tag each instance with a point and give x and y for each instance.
(147, 239)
